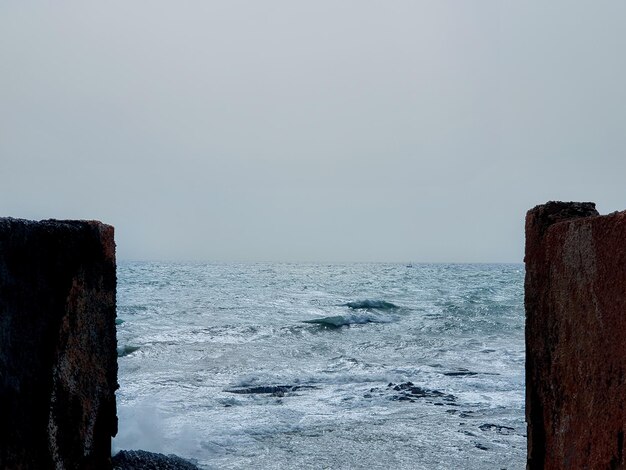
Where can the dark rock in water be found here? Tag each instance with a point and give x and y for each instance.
(575, 300)
(277, 390)
(58, 361)
(142, 460)
(407, 391)
(410, 390)
(404, 398)
(460, 373)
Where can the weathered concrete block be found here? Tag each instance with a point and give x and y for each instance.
(575, 337)
(58, 362)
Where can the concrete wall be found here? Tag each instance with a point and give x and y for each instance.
(575, 337)
(58, 362)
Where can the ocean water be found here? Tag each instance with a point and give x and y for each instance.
(266, 365)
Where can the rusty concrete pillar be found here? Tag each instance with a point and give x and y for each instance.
(575, 299)
(58, 362)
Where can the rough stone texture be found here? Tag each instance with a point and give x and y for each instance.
(575, 337)
(142, 460)
(58, 360)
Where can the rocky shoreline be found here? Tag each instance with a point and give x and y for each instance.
(142, 460)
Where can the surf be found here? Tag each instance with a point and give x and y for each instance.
(369, 304)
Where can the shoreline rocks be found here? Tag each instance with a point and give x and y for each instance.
(142, 460)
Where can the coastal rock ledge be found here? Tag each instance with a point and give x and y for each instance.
(58, 358)
(142, 460)
(575, 300)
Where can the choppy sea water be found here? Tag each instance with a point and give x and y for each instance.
(267, 365)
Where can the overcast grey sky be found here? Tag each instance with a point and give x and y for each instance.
(343, 130)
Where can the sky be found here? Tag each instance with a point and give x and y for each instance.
(326, 130)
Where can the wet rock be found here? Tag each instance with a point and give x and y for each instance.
(461, 373)
(409, 391)
(575, 300)
(142, 460)
(276, 390)
(58, 361)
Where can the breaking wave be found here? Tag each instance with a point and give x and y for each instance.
(345, 320)
(371, 304)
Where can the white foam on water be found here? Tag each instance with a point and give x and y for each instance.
(206, 329)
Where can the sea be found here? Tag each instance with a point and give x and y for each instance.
(313, 366)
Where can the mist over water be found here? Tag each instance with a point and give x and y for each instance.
(272, 365)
